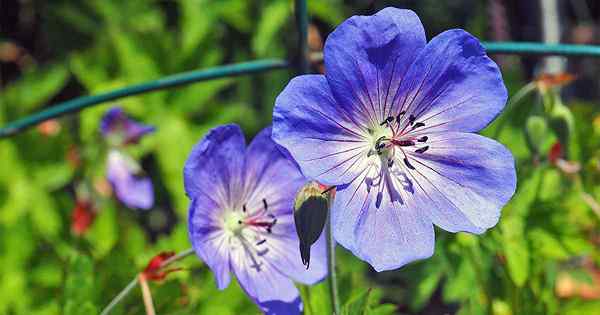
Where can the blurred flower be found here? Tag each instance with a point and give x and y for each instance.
(83, 216)
(123, 172)
(73, 157)
(391, 124)
(49, 127)
(547, 81)
(569, 286)
(153, 270)
(120, 129)
(241, 217)
(556, 157)
(133, 189)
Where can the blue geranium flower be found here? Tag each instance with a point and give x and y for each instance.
(123, 172)
(392, 124)
(241, 217)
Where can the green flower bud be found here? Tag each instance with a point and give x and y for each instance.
(536, 132)
(311, 208)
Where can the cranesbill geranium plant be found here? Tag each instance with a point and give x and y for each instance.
(392, 124)
(241, 217)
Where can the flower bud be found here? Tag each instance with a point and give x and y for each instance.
(310, 214)
(536, 131)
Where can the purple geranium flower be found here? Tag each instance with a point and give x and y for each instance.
(241, 217)
(123, 172)
(133, 190)
(116, 125)
(391, 124)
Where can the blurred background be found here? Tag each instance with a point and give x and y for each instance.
(67, 246)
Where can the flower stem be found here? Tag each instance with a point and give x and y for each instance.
(332, 279)
(146, 295)
(503, 119)
(117, 299)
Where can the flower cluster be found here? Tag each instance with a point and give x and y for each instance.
(391, 125)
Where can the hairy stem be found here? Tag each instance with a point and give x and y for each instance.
(332, 279)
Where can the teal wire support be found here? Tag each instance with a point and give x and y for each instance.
(75, 105)
(530, 48)
(80, 103)
(302, 26)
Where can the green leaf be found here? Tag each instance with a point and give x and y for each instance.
(36, 86)
(274, 17)
(197, 21)
(104, 233)
(79, 286)
(516, 249)
(358, 305)
(547, 245)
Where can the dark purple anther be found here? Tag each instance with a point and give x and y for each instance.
(422, 150)
(408, 164)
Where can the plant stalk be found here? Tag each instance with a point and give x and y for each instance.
(117, 299)
(332, 279)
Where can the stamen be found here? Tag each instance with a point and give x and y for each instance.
(403, 143)
(422, 150)
(387, 121)
(423, 139)
(244, 208)
(265, 204)
(261, 242)
(417, 125)
(408, 164)
(390, 163)
(411, 119)
(400, 114)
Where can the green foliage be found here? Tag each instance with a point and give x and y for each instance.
(546, 230)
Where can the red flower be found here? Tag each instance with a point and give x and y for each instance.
(153, 270)
(82, 217)
(555, 152)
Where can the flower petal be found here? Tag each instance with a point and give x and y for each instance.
(285, 254)
(463, 180)
(270, 175)
(325, 142)
(387, 234)
(208, 239)
(452, 85)
(116, 121)
(135, 192)
(272, 291)
(215, 166)
(367, 57)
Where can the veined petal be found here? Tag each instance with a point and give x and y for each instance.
(215, 166)
(367, 57)
(387, 234)
(285, 255)
(134, 191)
(270, 175)
(208, 238)
(326, 143)
(452, 85)
(272, 291)
(463, 180)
